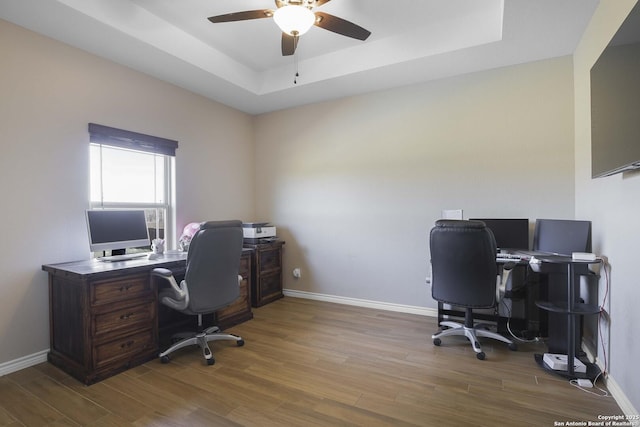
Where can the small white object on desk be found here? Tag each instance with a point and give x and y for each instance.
(583, 256)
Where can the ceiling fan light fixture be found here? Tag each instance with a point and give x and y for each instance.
(294, 20)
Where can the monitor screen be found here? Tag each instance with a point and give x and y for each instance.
(116, 229)
(510, 233)
(562, 236)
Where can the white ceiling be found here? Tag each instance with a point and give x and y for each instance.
(240, 63)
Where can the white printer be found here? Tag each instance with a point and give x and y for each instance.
(255, 232)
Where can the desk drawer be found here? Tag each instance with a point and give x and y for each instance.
(107, 291)
(270, 286)
(122, 318)
(125, 347)
(269, 259)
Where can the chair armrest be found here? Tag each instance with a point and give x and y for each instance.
(176, 297)
(503, 278)
(165, 273)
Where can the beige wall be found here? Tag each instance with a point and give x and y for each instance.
(48, 94)
(613, 204)
(354, 185)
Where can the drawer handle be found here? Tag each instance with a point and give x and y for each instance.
(125, 288)
(126, 316)
(126, 344)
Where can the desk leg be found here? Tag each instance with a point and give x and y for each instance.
(571, 351)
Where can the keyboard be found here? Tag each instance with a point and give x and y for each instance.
(509, 257)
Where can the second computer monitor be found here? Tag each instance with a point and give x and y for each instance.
(562, 236)
(510, 233)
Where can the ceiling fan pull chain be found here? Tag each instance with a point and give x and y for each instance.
(295, 59)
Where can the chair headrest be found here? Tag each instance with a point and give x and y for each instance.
(459, 224)
(221, 224)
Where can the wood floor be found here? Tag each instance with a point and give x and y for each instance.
(309, 363)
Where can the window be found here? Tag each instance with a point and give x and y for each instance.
(132, 170)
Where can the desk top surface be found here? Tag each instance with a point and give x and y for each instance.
(94, 266)
(90, 267)
(547, 257)
(565, 259)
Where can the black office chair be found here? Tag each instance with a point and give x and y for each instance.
(464, 274)
(211, 282)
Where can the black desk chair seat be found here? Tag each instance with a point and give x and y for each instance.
(464, 274)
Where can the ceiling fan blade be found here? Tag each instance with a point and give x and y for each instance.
(289, 44)
(242, 16)
(341, 26)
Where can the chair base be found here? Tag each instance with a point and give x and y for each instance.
(201, 339)
(472, 334)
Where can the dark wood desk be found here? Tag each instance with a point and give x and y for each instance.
(103, 316)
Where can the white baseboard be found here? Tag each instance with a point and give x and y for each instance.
(621, 399)
(23, 362)
(614, 388)
(410, 309)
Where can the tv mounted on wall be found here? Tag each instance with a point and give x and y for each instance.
(615, 102)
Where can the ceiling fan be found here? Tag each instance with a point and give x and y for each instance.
(295, 17)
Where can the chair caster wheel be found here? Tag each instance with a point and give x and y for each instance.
(164, 359)
(211, 361)
(480, 355)
(437, 341)
(513, 346)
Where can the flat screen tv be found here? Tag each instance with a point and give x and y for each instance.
(116, 229)
(615, 102)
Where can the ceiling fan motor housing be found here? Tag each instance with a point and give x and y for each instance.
(305, 3)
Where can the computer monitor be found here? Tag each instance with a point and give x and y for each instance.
(510, 233)
(562, 236)
(116, 229)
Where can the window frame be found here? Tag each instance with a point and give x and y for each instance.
(100, 135)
